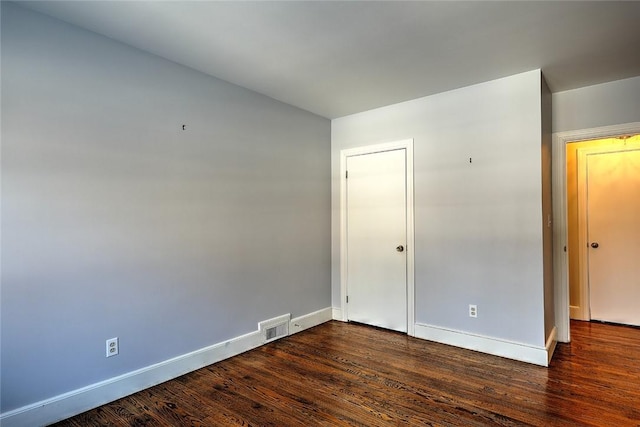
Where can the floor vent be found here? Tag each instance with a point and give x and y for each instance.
(275, 328)
(277, 332)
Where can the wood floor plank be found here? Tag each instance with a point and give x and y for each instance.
(340, 374)
(366, 386)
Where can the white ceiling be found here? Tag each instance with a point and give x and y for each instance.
(335, 58)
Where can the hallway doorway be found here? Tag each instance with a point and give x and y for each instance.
(603, 202)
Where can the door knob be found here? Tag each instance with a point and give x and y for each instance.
(400, 248)
(595, 245)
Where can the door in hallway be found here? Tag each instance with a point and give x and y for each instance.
(613, 233)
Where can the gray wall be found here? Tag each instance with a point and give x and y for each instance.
(478, 226)
(605, 104)
(115, 222)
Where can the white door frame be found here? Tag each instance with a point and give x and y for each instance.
(583, 251)
(407, 145)
(560, 238)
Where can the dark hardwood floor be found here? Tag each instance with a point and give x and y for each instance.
(346, 374)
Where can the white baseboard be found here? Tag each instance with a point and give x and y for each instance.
(337, 313)
(551, 344)
(77, 401)
(497, 347)
(309, 320)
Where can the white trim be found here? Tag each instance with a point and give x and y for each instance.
(265, 324)
(585, 304)
(497, 347)
(77, 401)
(411, 246)
(559, 191)
(337, 313)
(583, 222)
(407, 145)
(310, 320)
(560, 236)
(550, 346)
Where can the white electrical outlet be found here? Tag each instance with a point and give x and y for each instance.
(112, 347)
(473, 310)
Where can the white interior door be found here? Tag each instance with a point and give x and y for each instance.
(377, 239)
(613, 233)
